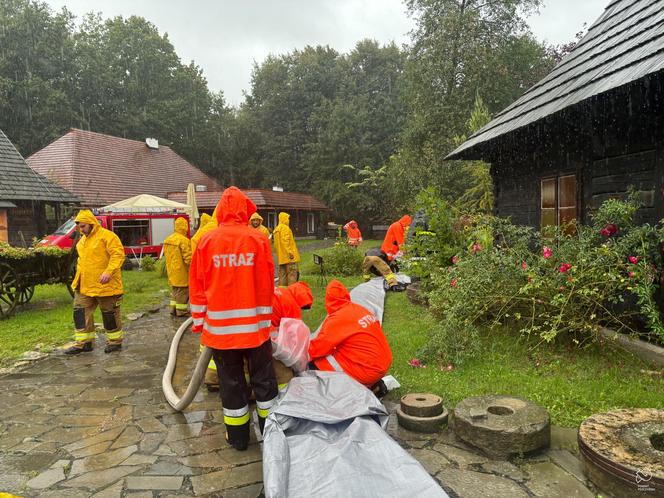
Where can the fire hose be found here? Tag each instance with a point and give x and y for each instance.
(177, 403)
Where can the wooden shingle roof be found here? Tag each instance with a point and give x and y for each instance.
(624, 45)
(102, 169)
(263, 198)
(19, 182)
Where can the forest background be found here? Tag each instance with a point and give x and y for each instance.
(363, 131)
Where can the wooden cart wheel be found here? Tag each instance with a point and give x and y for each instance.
(26, 294)
(9, 290)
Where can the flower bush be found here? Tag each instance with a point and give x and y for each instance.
(568, 283)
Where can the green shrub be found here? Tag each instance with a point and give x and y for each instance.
(160, 267)
(566, 284)
(148, 263)
(343, 260)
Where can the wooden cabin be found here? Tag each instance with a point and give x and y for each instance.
(31, 206)
(590, 130)
(306, 212)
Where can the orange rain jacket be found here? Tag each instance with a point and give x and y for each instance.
(289, 301)
(231, 279)
(353, 232)
(351, 339)
(396, 237)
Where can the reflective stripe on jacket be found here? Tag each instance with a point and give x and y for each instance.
(284, 242)
(177, 252)
(100, 252)
(351, 339)
(231, 280)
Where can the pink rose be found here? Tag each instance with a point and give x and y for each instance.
(547, 252)
(453, 283)
(564, 267)
(609, 230)
(455, 260)
(634, 259)
(524, 266)
(476, 248)
(631, 274)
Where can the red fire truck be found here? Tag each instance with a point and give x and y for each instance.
(140, 234)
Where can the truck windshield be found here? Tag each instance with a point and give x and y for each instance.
(66, 227)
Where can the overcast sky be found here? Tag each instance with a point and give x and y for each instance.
(225, 37)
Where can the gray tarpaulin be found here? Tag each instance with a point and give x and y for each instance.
(371, 295)
(326, 438)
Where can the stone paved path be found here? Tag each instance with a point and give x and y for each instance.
(97, 425)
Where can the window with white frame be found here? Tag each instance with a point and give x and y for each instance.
(272, 220)
(311, 223)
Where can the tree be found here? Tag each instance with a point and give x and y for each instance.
(462, 48)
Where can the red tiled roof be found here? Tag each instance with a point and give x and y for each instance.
(264, 199)
(102, 169)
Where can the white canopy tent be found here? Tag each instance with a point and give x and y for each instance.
(145, 203)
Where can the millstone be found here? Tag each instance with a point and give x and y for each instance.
(502, 425)
(421, 424)
(623, 451)
(422, 405)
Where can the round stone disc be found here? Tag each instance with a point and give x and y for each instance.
(421, 424)
(502, 425)
(422, 405)
(623, 451)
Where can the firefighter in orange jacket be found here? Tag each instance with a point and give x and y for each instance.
(231, 287)
(353, 232)
(350, 340)
(395, 238)
(288, 302)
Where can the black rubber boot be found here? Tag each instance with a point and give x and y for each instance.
(112, 347)
(85, 348)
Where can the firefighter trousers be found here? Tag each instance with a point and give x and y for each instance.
(233, 388)
(288, 274)
(84, 318)
(179, 302)
(376, 263)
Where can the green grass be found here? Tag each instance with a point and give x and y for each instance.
(570, 383)
(47, 319)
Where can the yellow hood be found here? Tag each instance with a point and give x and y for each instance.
(284, 218)
(86, 216)
(205, 219)
(256, 216)
(181, 226)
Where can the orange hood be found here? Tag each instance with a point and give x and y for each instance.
(302, 294)
(234, 207)
(405, 220)
(336, 296)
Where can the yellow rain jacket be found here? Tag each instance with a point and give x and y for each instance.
(100, 252)
(177, 251)
(261, 228)
(284, 242)
(207, 223)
